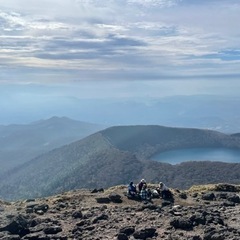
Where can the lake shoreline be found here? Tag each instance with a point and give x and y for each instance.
(198, 154)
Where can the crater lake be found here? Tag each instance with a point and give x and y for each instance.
(199, 154)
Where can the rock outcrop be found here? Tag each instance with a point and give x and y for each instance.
(200, 213)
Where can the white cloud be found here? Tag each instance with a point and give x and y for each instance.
(154, 3)
(154, 37)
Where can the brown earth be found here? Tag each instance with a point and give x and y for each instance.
(209, 212)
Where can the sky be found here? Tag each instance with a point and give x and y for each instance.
(117, 49)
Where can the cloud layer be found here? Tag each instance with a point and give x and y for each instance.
(59, 40)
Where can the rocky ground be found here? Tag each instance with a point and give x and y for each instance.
(201, 213)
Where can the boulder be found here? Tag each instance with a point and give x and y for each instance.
(13, 237)
(198, 219)
(221, 195)
(99, 218)
(234, 198)
(95, 190)
(166, 203)
(82, 223)
(183, 195)
(77, 214)
(226, 187)
(19, 225)
(52, 230)
(103, 200)
(41, 208)
(116, 198)
(181, 223)
(150, 206)
(194, 195)
(36, 236)
(30, 200)
(145, 233)
(209, 196)
(127, 230)
(213, 235)
(122, 236)
(228, 204)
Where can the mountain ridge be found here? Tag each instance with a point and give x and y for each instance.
(23, 142)
(146, 140)
(106, 158)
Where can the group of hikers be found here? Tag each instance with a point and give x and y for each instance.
(142, 192)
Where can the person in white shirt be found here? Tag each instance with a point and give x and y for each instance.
(164, 190)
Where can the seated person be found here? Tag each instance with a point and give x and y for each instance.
(132, 191)
(144, 193)
(155, 193)
(140, 185)
(164, 190)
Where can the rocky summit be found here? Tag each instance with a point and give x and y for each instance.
(207, 212)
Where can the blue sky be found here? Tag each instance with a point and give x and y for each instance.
(119, 48)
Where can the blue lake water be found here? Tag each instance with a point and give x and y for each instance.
(199, 154)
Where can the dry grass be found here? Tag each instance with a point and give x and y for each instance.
(214, 187)
(116, 188)
(201, 188)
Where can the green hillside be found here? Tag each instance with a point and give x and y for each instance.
(145, 141)
(118, 155)
(21, 143)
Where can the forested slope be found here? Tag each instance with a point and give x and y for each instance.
(118, 155)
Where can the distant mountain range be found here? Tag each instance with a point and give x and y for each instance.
(221, 113)
(21, 143)
(118, 155)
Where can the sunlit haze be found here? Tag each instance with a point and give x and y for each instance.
(82, 58)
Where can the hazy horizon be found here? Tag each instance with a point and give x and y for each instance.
(89, 60)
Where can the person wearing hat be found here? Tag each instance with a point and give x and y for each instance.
(164, 190)
(140, 185)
